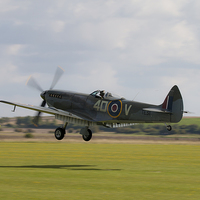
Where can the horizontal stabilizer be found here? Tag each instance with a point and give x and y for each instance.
(157, 110)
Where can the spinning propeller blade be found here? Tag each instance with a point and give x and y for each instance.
(58, 74)
(32, 83)
(37, 117)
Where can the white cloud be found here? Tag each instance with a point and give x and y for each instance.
(180, 41)
(101, 76)
(9, 74)
(108, 34)
(14, 49)
(58, 26)
(8, 6)
(160, 8)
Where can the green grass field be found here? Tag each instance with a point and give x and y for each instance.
(99, 171)
(189, 121)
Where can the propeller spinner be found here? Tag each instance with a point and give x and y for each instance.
(33, 83)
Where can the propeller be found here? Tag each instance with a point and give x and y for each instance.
(37, 117)
(33, 83)
(59, 72)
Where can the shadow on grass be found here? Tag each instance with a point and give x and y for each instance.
(68, 167)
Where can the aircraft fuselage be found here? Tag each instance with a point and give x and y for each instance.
(103, 110)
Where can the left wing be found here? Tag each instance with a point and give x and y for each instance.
(59, 114)
(36, 108)
(67, 116)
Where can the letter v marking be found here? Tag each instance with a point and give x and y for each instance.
(127, 109)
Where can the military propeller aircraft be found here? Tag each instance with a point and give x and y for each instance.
(101, 108)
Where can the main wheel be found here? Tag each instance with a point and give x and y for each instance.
(88, 136)
(59, 133)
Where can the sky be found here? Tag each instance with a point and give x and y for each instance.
(138, 49)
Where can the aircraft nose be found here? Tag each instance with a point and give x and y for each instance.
(43, 95)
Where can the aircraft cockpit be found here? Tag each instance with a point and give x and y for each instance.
(105, 95)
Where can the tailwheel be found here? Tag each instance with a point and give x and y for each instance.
(88, 135)
(59, 133)
(169, 128)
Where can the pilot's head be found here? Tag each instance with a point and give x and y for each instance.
(102, 93)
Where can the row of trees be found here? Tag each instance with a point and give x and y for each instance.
(151, 129)
(27, 122)
(156, 129)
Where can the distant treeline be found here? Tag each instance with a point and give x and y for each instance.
(27, 122)
(160, 129)
(144, 129)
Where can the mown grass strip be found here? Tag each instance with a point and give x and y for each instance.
(99, 171)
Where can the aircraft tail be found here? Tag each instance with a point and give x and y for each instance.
(173, 103)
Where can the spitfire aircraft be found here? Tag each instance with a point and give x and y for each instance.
(101, 108)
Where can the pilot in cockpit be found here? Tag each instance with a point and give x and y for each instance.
(102, 93)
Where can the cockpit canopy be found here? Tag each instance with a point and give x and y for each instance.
(105, 95)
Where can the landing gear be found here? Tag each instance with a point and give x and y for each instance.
(86, 134)
(169, 128)
(59, 133)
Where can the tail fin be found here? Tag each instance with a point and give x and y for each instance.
(174, 103)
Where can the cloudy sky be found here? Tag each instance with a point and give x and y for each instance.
(138, 49)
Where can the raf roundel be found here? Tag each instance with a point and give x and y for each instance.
(114, 108)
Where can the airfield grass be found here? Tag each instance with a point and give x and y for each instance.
(189, 121)
(99, 171)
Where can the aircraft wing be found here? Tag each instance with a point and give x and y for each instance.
(67, 116)
(59, 114)
(36, 108)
